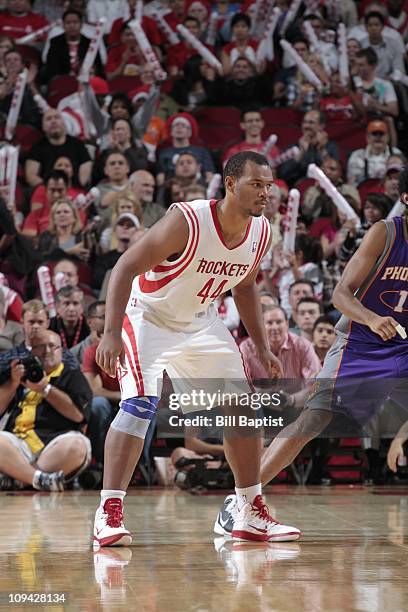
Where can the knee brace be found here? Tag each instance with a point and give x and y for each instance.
(135, 414)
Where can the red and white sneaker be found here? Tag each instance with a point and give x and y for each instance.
(253, 522)
(109, 529)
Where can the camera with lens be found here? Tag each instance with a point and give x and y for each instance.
(194, 474)
(33, 369)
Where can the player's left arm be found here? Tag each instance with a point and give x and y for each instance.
(246, 296)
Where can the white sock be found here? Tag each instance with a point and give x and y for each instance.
(109, 493)
(247, 494)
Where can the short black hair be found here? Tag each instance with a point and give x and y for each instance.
(323, 319)
(71, 11)
(57, 175)
(376, 14)
(369, 54)
(238, 17)
(302, 281)
(310, 300)
(92, 308)
(235, 165)
(192, 18)
(403, 180)
(249, 109)
(122, 97)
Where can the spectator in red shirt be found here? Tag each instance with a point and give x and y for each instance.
(252, 125)
(125, 59)
(180, 53)
(341, 104)
(55, 188)
(242, 45)
(149, 27)
(19, 20)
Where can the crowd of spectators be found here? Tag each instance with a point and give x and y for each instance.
(145, 141)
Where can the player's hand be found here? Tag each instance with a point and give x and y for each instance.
(271, 364)
(395, 452)
(107, 353)
(385, 327)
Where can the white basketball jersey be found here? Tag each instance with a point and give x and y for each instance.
(180, 294)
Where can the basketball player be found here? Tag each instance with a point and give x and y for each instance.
(369, 359)
(183, 263)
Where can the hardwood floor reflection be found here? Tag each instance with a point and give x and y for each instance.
(353, 554)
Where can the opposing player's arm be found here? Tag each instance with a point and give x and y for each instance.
(354, 275)
(167, 237)
(246, 296)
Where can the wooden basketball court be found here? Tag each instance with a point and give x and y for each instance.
(353, 554)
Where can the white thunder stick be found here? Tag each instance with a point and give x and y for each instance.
(343, 56)
(60, 281)
(47, 293)
(271, 140)
(82, 201)
(289, 236)
(265, 49)
(139, 11)
(3, 167)
(325, 183)
(15, 106)
(200, 48)
(303, 67)
(255, 17)
(33, 36)
(314, 44)
(213, 186)
(164, 26)
(212, 29)
(147, 50)
(290, 15)
(90, 56)
(12, 168)
(292, 153)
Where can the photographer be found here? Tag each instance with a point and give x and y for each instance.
(47, 406)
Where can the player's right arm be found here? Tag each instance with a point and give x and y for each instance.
(167, 237)
(353, 277)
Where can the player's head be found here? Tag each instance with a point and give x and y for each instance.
(248, 179)
(403, 187)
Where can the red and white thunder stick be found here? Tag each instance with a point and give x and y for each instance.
(343, 56)
(200, 48)
(213, 186)
(303, 67)
(292, 153)
(271, 140)
(314, 44)
(12, 168)
(265, 49)
(82, 201)
(33, 36)
(147, 50)
(46, 290)
(15, 107)
(90, 56)
(325, 183)
(60, 281)
(164, 26)
(291, 218)
(290, 15)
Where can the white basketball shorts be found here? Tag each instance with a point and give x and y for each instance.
(208, 359)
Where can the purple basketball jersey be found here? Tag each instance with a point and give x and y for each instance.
(385, 290)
